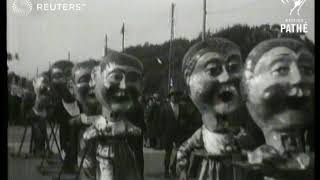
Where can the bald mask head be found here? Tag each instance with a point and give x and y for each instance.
(278, 83)
(212, 72)
(118, 81)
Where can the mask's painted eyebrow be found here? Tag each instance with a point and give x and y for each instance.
(232, 56)
(280, 59)
(116, 70)
(213, 60)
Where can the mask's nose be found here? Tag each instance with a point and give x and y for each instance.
(295, 77)
(123, 84)
(224, 77)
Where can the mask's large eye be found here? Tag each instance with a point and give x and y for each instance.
(234, 67)
(214, 69)
(115, 76)
(234, 64)
(306, 70)
(133, 76)
(281, 70)
(306, 64)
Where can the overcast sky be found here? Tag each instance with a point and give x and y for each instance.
(41, 37)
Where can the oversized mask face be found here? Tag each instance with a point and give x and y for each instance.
(117, 86)
(280, 89)
(58, 80)
(81, 88)
(214, 82)
(42, 89)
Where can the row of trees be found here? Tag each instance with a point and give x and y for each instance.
(12, 56)
(156, 74)
(155, 56)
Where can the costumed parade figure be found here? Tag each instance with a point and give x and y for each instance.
(89, 109)
(65, 108)
(136, 116)
(38, 115)
(117, 83)
(278, 85)
(212, 72)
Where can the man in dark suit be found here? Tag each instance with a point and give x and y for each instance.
(172, 118)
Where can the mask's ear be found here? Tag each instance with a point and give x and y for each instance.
(94, 72)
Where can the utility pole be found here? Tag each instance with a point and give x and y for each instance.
(204, 20)
(171, 66)
(106, 45)
(50, 71)
(122, 32)
(69, 59)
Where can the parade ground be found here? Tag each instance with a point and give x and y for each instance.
(26, 169)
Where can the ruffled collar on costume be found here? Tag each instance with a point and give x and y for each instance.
(72, 108)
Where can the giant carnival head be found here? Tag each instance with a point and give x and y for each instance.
(80, 83)
(60, 74)
(212, 71)
(278, 84)
(118, 81)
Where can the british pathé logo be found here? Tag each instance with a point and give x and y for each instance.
(21, 7)
(294, 25)
(296, 5)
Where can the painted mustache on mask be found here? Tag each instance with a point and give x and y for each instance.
(224, 91)
(280, 96)
(120, 95)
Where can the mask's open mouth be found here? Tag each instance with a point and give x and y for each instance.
(226, 96)
(120, 97)
(297, 98)
(227, 93)
(294, 102)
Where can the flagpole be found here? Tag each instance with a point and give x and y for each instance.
(123, 30)
(171, 66)
(106, 45)
(204, 20)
